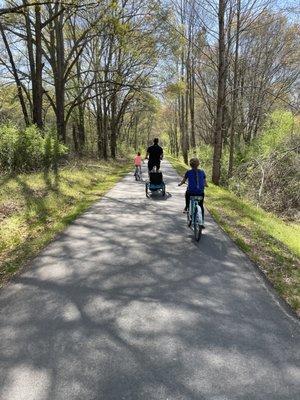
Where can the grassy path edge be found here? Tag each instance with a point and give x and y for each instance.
(259, 271)
(80, 186)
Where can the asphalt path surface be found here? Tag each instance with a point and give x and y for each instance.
(125, 305)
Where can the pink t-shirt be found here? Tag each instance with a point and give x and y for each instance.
(138, 161)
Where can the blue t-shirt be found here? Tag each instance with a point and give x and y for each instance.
(196, 180)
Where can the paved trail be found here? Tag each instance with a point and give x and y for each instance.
(125, 305)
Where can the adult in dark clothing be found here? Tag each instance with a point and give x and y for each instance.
(154, 154)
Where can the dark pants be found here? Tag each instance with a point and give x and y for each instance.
(153, 163)
(187, 201)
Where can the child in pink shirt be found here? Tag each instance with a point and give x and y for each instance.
(138, 160)
(138, 165)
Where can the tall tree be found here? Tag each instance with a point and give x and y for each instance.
(221, 97)
(235, 89)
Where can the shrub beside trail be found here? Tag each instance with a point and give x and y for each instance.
(268, 171)
(28, 150)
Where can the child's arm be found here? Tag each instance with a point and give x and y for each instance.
(183, 180)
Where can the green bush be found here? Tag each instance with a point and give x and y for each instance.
(28, 150)
(9, 138)
(268, 172)
(279, 126)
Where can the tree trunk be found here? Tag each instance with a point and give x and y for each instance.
(81, 109)
(192, 110)
(81, 128)
(216, 169)
(99, 123)
(113, 128)
(60, 109)
(105, 129)
(75, 138)
(35, 64)
(59, 80)
(235, 92)
(136, 124)
(38, 98)
(176, 146)
(16, 77)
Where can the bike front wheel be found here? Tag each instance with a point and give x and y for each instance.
(197, 227)
(147, 190)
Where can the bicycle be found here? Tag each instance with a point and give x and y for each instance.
(138, 173)
(194, 216)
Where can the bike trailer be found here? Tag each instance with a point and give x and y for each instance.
(155, 183)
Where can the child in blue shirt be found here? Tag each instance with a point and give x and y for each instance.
(196, 183)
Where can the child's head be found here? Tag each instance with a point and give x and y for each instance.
(194, 163)
(138, 153)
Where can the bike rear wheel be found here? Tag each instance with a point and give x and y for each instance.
(197, 226)
(147, 190)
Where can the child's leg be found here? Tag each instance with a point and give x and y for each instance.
(202, 207)
(187, 200)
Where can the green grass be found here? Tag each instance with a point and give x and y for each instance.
(35, 207)
(269, 241)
